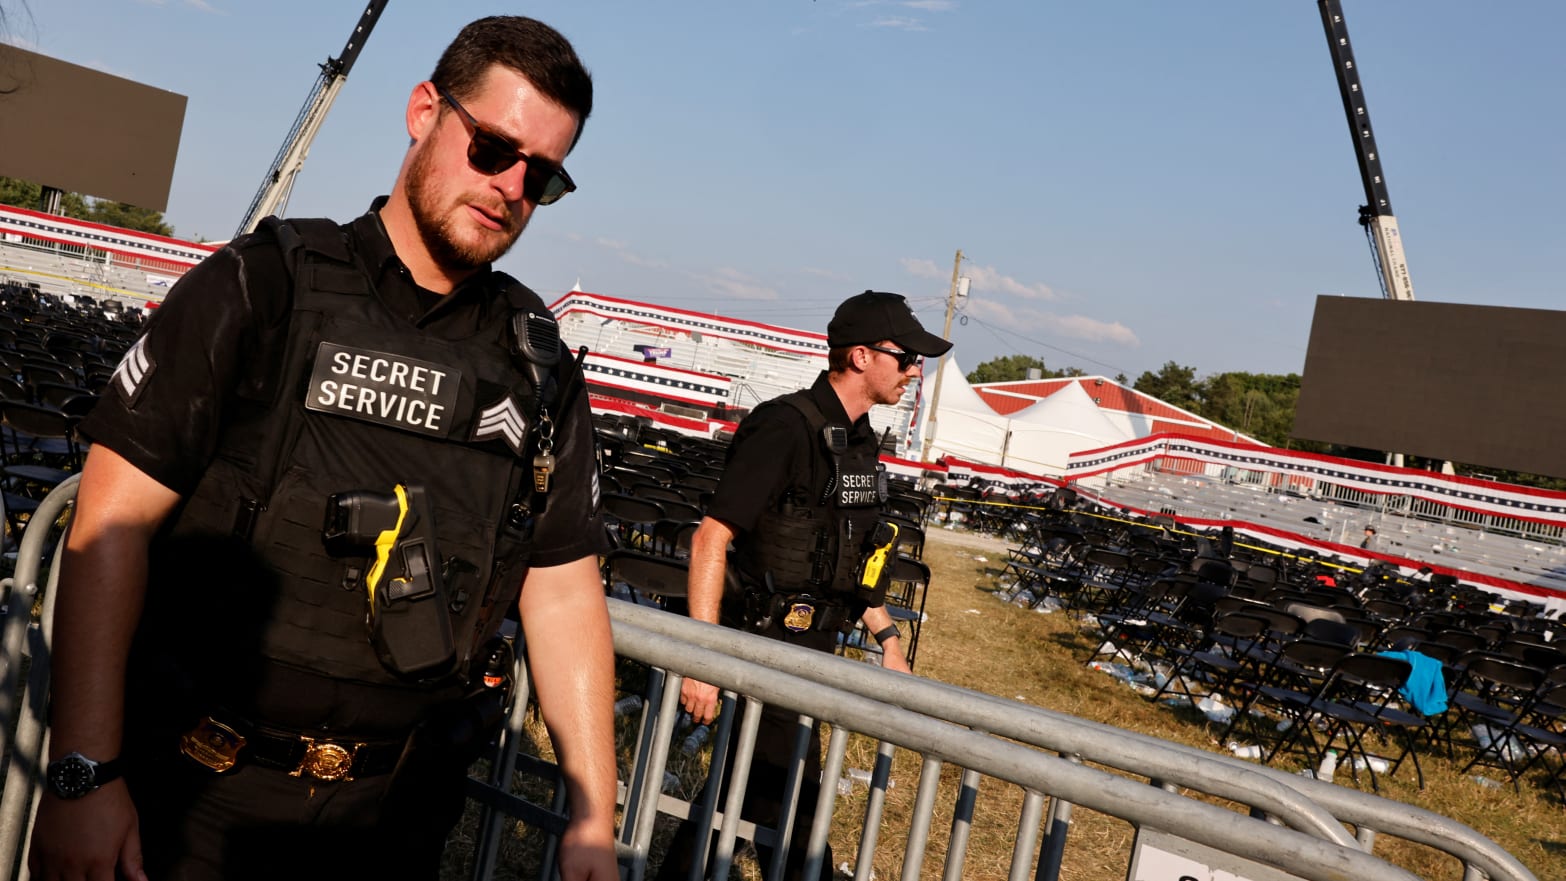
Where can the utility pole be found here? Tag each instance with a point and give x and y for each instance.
(946, 334)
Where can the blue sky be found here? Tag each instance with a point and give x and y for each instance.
(1133, 181)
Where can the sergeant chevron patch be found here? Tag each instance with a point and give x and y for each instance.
(502, 420)
(132, 373)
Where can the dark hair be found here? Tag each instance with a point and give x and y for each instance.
(837, 358)
(527, 46)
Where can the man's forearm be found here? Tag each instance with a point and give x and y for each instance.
(708, 565)
(571, 656)
(99, 600)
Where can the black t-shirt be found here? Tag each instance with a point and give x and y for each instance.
(164, 409)
(773, 453)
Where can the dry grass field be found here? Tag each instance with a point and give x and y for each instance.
(974, 640)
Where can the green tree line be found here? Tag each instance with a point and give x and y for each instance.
(29, 195)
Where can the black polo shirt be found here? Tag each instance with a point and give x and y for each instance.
(225, 324)
(773, 453)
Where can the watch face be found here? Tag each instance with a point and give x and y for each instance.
(72, 777)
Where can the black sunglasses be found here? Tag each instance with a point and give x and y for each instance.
(493, 153)
(905, 360)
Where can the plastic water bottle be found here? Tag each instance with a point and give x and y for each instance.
(627, 705)
(1249, 751)
(1329, 766)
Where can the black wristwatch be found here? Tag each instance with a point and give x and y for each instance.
(76, 775)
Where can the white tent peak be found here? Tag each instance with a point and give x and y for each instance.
(1071, 410)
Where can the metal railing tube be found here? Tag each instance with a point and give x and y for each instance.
(804, 738)
(26, 749)
(962, 825)
(821, 822)
(1054, 851)
(644, 742)
(715, 770)
(1191, 768)
(750, 723)
(875, 806)
(1104, 744)
(652, 778)
(1308, 857)
(919, 826)
(1027, 835)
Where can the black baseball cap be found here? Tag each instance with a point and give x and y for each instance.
(873, 316)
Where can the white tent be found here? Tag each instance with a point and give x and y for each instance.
(1038, 439)
(1045, 434)
(965, 426)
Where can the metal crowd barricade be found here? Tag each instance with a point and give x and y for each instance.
(1298, 828)
(1313, 807)
(24, 644)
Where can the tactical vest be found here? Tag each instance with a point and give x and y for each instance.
(814, 541)
(362, 401)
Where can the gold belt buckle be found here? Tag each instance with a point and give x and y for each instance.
(325, 760)
(212, 744)
(799, 617)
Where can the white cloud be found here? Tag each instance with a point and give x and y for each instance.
(988, 278)
(201, 5)
(1085, 328)
(982, 278)
(1079, 327)
(731, 282)
(725, 280)
(832, 274)
(624, 252)
(898, 22)
(921, 5)
(922, 268)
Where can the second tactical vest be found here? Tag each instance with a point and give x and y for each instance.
(813, 541)
(362, 401)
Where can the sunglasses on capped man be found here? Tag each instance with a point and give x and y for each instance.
(492, 153)
(905, 359)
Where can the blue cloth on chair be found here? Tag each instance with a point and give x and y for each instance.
(1425, 689)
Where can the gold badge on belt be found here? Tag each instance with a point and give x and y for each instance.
(212, 744)
(325, 760)
(799, 617)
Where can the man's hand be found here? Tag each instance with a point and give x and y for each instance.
(700, 700)
(89, 837)
(587, 853)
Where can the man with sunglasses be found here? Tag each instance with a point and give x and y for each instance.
(233, 697)
(800, 502)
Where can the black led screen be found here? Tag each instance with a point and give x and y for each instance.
(1481, 385)
(82, 131)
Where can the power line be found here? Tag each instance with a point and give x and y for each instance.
(1000, 330)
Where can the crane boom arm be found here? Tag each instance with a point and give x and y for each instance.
(278, 183)
(1377, 213)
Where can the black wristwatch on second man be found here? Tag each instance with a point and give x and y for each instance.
(76, 775)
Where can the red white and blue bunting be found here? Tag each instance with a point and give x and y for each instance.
(1465, 493)
(684, 321)
(21, 224)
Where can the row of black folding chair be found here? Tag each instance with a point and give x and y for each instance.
(38, 449)
(1512, 711)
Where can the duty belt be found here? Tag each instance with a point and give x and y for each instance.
(221, 745)
(800, 612)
